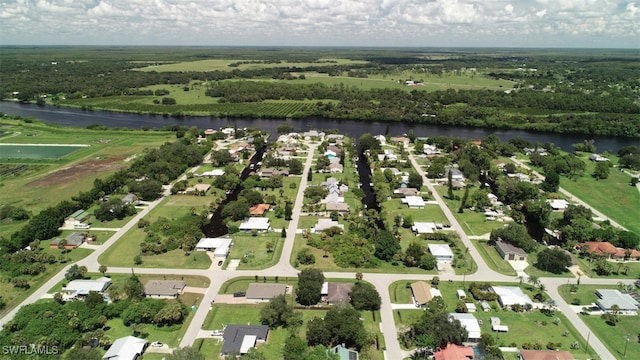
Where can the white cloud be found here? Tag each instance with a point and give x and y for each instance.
(570, 23)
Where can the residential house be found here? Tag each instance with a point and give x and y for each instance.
(343, 352)
(421, 292)
(210, 173)
(457, 185)
(258, 209)
(80, 288)
(324, 224)
(456, 174)
(77, 218)
(333, 151)
(164, 289)
(264, 292)
(544, 355)
(130, 199)
(269, 172)
(198, 189)
(597, 158)
(558, 204)
(335, 292)
(308, 135)
(126, 348)
(336, 168)
(239, 339)
(430, 150)
(454, 352)
(414, 202)
(381, 139)
(496, 326)
(511, 295)
(72, 241)
(423, 227)
(335, 138)
(407, 191)
(209, 132)
(394, 171)
(220, 246)
(390, 155)
(469, 322)
(337, 206)
(510, 252)
(539, 151)
(405, 141)
(260, 224)
(442, 252)
(609, 297)
(606, 249)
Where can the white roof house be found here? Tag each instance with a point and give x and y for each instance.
(220, 245)
(423, 227)
(414, 202)
(469, 322)
(126, 348)
(609, 297)
(255, 223)
(558, 204)
(324, 224)
(214, 172)
(83, 287)
(442, 252)
(511, 295)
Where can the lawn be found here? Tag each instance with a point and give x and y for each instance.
(252, 250)
(225, 314)
(532, 258)
(223, 65)
(430, 213)
(171, 207)
(622, 270)
(474, 223)
(492, 258)
(521, 325)
(583, 295)
(614, 338)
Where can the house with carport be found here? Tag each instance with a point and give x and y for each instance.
(164, 289)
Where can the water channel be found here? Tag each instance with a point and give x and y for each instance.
(83, 118)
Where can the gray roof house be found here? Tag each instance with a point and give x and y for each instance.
(265, 292)
(510, 252)
(164, 289)
(241, 338)
(338, 292)
(126, 348)
(609, 297)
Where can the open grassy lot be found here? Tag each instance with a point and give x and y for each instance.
(492, 258)
(521, 325)
(171, 207)
(224, 314)
(623, 270)
(613, 196)
(170, 335)
(327, 264)
(474, 223)
(614, 337)
(252, 250)
(395, 207)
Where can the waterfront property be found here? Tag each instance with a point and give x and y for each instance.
(259, 224)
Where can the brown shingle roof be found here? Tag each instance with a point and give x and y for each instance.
(265, 291)
(338, 292)
(164, 287)
(421, 292)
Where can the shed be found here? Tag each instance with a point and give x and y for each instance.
(461, 294)
(471, 307)
(485, 306)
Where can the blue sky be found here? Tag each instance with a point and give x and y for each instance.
(423, 23)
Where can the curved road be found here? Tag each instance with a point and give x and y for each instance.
(284, 269)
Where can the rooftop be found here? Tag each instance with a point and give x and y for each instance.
(421, 292)
(469, 322)
(265, 291)
(510, 295)
(240, 338)
(508, 248)
(126, 348)
(164, 287)
(258, 223)
(545, 355)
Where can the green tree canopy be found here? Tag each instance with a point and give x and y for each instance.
(309, 286)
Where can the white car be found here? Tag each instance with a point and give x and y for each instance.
(157, 344)
(217, 333)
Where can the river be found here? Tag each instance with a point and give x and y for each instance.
(82, 118)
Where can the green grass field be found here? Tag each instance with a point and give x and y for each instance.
(223, 65)
(613, 196)
(252, 250)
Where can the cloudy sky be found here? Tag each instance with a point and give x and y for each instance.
(495, 23)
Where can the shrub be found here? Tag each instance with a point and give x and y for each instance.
(305, 257)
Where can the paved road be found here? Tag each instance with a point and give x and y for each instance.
(284, 269)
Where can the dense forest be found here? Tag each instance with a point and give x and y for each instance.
(585, 92)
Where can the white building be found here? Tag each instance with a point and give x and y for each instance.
(423, 227)
(81, 288)
(220, 246)
(260, 224)
(324, 224)
(558, 204)
(442, 252)
(511, 295)
(609, 297)
(469, 322)
(414, 202)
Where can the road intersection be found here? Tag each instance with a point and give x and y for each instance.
(283, 269)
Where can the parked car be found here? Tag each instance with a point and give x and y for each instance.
(239, 294)
(217, 333)
(220, 263)
(157, 344)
